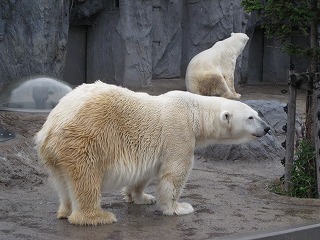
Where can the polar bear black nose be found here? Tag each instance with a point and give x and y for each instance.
(266, 130)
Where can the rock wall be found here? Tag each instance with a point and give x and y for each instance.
(166, 38)
(139, 40)
(127, 42)
(119, 44)
(33, 38)
(134, 29)
(206, 22)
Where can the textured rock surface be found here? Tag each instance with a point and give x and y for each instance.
(139, 40)
(125, 42)
(166, 38)
(206, 22)
(134, 29)
(128, 42)
(119, 44)
(266, 148)
(33, 38)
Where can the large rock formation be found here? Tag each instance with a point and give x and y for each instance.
(118, 41)
(130, 43)
(266, 148)
(166, 38)
(33, 38)
(127, 42)
(206, 22)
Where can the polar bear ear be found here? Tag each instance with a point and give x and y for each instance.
(232, 33)
(226, 116)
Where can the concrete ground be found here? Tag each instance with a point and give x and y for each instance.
(228, 197)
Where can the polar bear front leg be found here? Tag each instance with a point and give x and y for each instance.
(60, 183)
(65, 207)
(170, 186)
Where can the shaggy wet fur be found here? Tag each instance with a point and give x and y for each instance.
(101, 136)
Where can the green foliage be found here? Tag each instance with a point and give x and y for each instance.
(303, 175)
(284, 19)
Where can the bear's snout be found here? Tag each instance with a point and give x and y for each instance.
(266, 129)
(265, 126)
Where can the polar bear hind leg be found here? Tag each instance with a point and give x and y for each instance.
(136, 194)
(213, 84)
(222, 88)
(231, 95)
(230, 83)
(85, 193)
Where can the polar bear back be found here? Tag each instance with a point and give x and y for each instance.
(222, 55)
(113, 121)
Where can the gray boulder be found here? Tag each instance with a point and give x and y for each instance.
(266, 148)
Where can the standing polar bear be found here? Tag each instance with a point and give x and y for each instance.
(102, 136)
(211, 72)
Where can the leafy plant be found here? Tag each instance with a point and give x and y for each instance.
(284, 19)
(303, 175)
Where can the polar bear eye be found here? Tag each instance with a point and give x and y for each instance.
(250, 117)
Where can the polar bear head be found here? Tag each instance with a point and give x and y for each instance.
(240, 36)
(240, 123)
(238, 41)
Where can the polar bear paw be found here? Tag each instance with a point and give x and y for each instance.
(230, 95)
(179, 209)
(64, 210)
(237, 96)
(92, 218)
(63, 213)
(144, 198)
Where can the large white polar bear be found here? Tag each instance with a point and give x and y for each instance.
(102, 136)
(211, 72)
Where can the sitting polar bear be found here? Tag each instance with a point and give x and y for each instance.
(211, 72)
(102, 136)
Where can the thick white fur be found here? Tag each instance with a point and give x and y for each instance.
(102, 136)
(211, 72)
